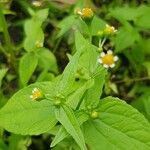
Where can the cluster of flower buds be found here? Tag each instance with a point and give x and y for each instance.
(107, 59)
(107, 31)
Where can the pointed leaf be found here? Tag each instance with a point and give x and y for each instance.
(27, 66)
(67, 118)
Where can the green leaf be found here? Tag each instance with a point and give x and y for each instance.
(66, 24)
(35, 35)
(143, 20)
(27, 66)
(19, 142)
(88, 59)
(62, 133)
(97, 25)
(41, 15)
(47, 60)
(119, 126)
(93, 94)
(68, 75)
(2, 74)
(126, 13)
(126, 37)
(67, 118)
(74, 99)
(22, 115)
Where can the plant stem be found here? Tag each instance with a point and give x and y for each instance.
(5, 31)
(133, 80)
(3, 50)
(103, 41)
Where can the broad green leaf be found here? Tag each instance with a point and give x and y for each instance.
(27, 66)
(66, 24)
(133, 56)
(62, 133)
(45, 76)
(119, 127)
(22, 115)
(67, 118)
(35, 34)
(97, 25)
(41, 15)
(47, 60)
(93, 94)
(126, 13)
(143, 17)
(125, 38)
(2, 74)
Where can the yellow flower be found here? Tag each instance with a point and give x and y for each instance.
(85, 13)
(37, 3)
(36, 94)
(108, 59)
(109, 30)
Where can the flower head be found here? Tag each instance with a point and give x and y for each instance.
(94, 114)
(86, 13)
(109, 30)
(37, 3)
(39, 44)
(108, 59)
(36, 94)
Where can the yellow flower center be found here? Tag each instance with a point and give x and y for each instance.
(36, 94)
(108, 59)
(87, 13)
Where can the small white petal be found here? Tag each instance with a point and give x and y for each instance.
(36, 3)
(112, 28)
(109, 52)
(100, 61)
(112, 66)
(115, 30)
(102, 54)
(105, 66)
(116, 58)
(35, 89)
(79, 12)
(31, 96)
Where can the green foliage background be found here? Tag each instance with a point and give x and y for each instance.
(48, 47)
